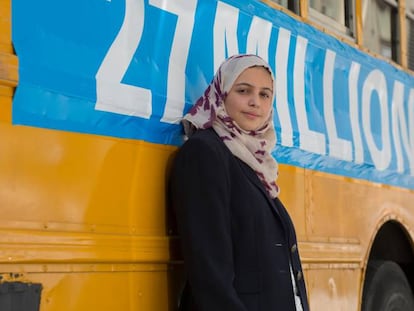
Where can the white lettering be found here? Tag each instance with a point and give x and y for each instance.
(225, 33)
(399, 125)
(259, 37)
(411, 128)
(282, 105)
(309, 140)
(111, 94)
(375, 82)
(185, 11)
(338, 147)
(354, 112)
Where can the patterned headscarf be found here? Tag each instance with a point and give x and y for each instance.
(252, 147)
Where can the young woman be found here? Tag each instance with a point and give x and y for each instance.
(238, 241)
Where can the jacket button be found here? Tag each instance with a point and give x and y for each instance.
(294, 248)
(299, 276)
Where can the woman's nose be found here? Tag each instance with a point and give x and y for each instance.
(254, 101)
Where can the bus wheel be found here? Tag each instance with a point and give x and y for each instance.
(386, 288)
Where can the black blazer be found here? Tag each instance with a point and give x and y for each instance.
(237, 242)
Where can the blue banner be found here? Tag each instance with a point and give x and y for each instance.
(132, 68)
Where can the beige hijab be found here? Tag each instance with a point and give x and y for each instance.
(252, 147)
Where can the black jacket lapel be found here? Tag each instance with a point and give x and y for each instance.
(256, 181)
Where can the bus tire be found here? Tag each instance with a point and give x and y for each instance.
(386, 288)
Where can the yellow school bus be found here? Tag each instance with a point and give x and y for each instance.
(91, 94)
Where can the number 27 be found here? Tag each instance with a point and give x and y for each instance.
(114, 96)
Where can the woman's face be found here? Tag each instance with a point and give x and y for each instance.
(249, 101)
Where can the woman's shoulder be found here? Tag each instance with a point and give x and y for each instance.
(208, 135)
(204, 138)
(204, 143)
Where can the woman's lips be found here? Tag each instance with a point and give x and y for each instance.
(251, 115)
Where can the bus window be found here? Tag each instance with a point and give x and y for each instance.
(292, 5)
(337, 15)
(335, 10)
(410, 35)
(380, 27)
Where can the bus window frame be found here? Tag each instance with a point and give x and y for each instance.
(293, 8)
(330, 24)
(408, 15)
(393, 3)
(396, 34)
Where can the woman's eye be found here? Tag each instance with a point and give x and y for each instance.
(265, 95)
